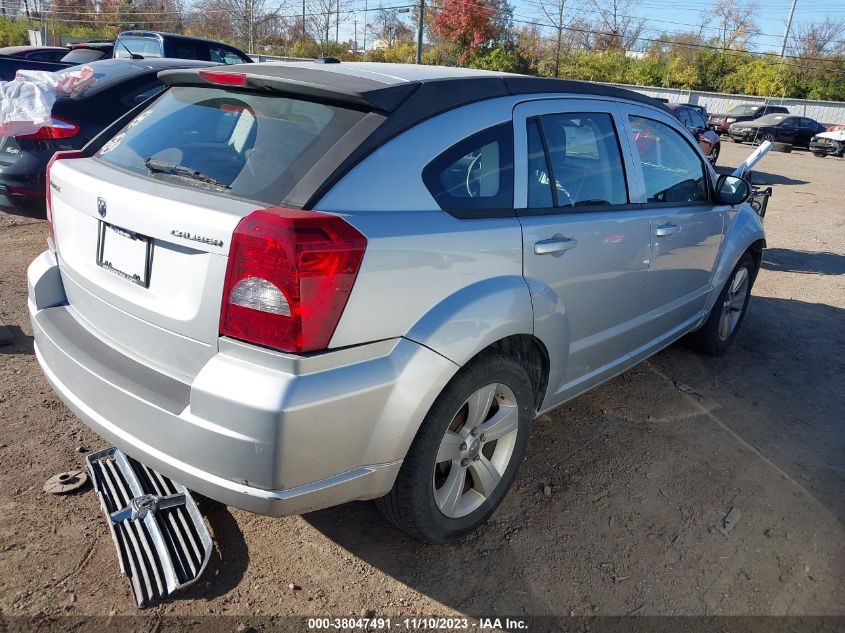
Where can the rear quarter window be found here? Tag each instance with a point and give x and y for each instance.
(474, 177)
(246, 145)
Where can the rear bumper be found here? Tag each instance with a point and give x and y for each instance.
(267, 432)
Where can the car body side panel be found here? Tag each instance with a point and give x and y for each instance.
(586, 300)
(450, 284)
(743, 228)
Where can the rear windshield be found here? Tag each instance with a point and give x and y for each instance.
(253, 146)
(84, 55)
(143, 46)
(744, 109)
(771, 119)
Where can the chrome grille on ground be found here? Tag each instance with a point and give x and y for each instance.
(161, 539)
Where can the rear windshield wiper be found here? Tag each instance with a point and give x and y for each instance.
(160, 167)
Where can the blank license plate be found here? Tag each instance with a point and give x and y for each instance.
(125, 253)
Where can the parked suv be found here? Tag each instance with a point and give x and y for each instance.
(722, 122)
(146, 44)
(289, 286)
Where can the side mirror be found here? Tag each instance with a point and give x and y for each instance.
(732, 190)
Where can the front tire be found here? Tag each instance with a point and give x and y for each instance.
(714, 154)
(727, 314)
(465, 455)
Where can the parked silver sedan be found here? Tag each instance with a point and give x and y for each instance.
(292, 285)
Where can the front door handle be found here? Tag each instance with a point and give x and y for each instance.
(667, 229)
(556, 244)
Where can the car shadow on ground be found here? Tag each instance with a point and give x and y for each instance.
(795, 430)
(229, 559)
(791, 261)
(37, 213)
(762, 177)
(20, 344)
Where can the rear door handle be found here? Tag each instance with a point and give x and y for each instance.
(554, 245)
(667, 229)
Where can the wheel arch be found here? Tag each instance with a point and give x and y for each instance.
(744, 234)
(529, 352)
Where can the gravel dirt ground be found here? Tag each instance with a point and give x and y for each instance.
(641, 470)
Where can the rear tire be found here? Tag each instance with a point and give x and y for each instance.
(786, 148)
(727, 314)
(454, 475)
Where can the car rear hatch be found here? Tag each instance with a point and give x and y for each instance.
(143, 228)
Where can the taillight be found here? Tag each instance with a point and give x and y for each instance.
(58, 128)
(223, 78)
(57, 156)
(289, 275)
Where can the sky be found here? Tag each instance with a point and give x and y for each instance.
(672, 16)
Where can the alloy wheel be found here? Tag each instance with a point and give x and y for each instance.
(734, 303)
(476, 450)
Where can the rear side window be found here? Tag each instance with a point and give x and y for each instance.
(224, 55)
(186, 50)
(672, 170)
(474, 178)
(582, 164)
(253, 146)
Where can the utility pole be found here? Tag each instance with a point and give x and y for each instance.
(788, 27)
(337, 25)
(420, 26)
(303, 21)
(365, 26)
(355, 41)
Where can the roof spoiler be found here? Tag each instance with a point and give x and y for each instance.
(383, 99)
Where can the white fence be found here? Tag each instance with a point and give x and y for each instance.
(827, 112)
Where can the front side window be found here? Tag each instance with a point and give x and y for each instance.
(696, 120)
(574, 160)
(672, 170)
(475, 175)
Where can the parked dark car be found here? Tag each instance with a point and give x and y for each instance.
(50, 59)
(120, 85)
(708, 140)
(778, 128)
(35, 53)
(722, 122)
(148, 44)
(9, 66)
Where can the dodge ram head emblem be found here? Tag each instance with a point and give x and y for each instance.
(101, 207)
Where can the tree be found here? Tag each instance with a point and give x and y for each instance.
(390, 29)
(819, 39)
(735, 22)
(325, 16)
(74, 11)
(471, 26)
(554, 12)
(617, 27)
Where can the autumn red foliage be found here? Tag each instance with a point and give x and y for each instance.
(468, 24)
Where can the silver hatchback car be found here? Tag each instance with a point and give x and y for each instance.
(292, 285)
